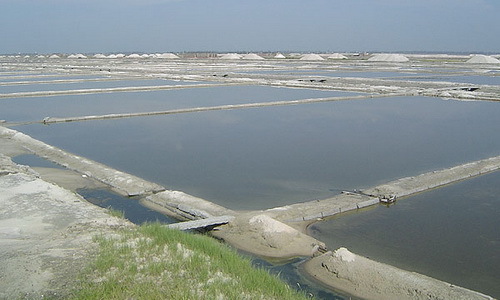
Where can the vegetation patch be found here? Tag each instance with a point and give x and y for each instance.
(154, 262)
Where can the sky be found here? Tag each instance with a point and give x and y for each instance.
(107, 26)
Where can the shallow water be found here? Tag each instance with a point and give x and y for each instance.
(267, 157)
(449, 233)
(21, 109)
(131, 208)
(33, 87)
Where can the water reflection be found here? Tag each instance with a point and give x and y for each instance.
(64, 86)
(21, 109)
(261, 158)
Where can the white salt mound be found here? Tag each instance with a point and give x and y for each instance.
(167, 56)
(268, 224)
(231, 56)
(99, 55)
(54, 56)
(483, 59)
(337, 56)
(311, 56)
(252, 56)
(133, 55)
(344, 254)
(389, 58)
(279, 55)
(79, 55)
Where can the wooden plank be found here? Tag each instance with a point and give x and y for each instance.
(202, 223)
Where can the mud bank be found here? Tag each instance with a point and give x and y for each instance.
(46, 234)
(369, 279)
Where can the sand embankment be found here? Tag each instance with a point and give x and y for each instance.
(46, 234)
(369, 279)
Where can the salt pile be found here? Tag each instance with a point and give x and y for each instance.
(311, 56)
(483, 59)
(133, 55)
(99, 56)
(167, 55)
(252, 56)
(54, 56)
(389, 58)
(337, 56)
(79, 56)
(279, 55)
(231, 56)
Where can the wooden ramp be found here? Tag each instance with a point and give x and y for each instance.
(202, 223)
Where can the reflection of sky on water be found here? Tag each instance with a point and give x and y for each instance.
(34, 77)
(22, 109)
(450, 233)
(5, 89)
(260, 158)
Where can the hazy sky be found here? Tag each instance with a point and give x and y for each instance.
(69, 26)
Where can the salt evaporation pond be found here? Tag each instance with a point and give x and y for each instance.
(65, 86)
(475, 79)
(34, 77)
(449, 233)
(267, 157)
(21, 109)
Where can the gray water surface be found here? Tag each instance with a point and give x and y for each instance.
(266, 157)
(37, 108)
(451, 233)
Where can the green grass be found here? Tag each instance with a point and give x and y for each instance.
(116, 213)
(153, 262)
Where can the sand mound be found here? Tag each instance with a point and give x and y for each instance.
(389, 58)
(311, 56)
(337, 56)
(231, 56)
(167, 56)
(252, 56)
(279, 55)
(483, 59)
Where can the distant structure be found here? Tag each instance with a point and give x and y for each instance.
(311, 56)
(389, 58)
(337, 56)
(167, 56)
(483, 59)
(252, 56)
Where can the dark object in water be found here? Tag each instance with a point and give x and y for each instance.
(469, 89)
(387, 199)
